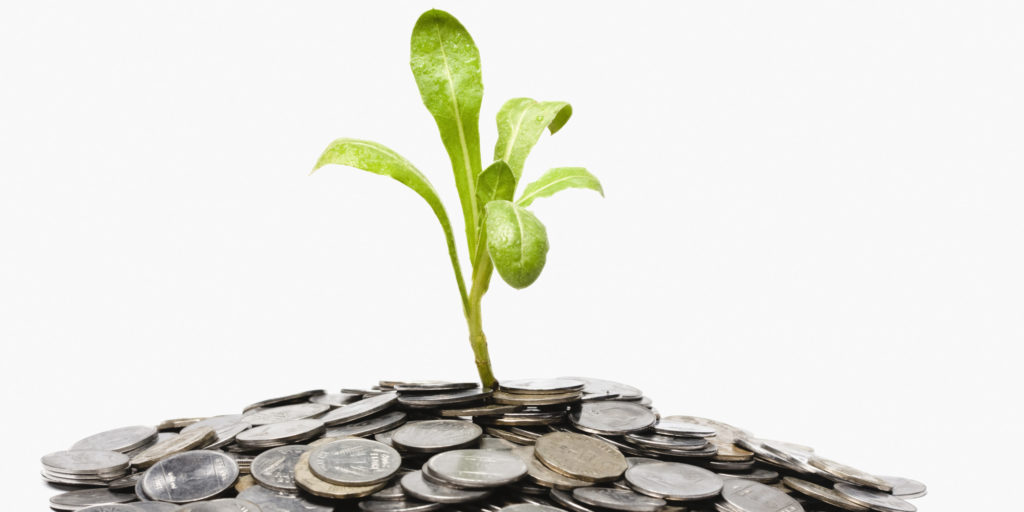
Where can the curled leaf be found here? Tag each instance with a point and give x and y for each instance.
(559, 178)
(520, 124)
(516, 241)
(496, 182)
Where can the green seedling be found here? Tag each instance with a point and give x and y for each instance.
(501, 233)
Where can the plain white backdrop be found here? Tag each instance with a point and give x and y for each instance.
(812, 229)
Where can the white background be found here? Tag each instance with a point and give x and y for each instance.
(812, 226)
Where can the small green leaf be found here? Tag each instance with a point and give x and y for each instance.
(516, 241)
(379, 159)
(520, 123)
(496, 182)
(446, 64)
(559, 178)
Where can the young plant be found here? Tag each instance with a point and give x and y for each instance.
(500, 232)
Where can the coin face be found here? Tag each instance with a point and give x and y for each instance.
(618, 499)
(284, 413)
(542, 386)
(367, 426)
(307, 481)
(822, 493)
(904, 487)
(275, 468)
(190, 476)
(276, 501)
(748, 496)
(123, 439)
(543, 475)
(580, 456)
(74, 500)
(612, 417)
(361, 409)
(354, 462)
(875, 500)
(436, 435)
(85, 462)
(413, 484)
(475, 469)
(673, 481)
(195, 438)
(276, 434)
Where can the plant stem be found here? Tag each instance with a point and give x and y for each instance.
(482, 270)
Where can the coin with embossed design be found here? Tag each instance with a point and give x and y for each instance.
(190, 476)
(612, 417)
(354, 462)
(673, 481)
(477, 469)
(275, 468)
(747, 496)
(580, 456)
(436, 435)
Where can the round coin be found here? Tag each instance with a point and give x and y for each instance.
(118, 507)
(74, 500)
(747, 496)
(398, 506)
(823, 494)
(542, 386)
(844, 473)
(358, 462)
(307, 481)
(275, 501)
(543, 475)
(361, 409)
(275, 468)
(190, 476)
(672, 427)
(618, 499)
(368, 426)
(433, 386)
(465, 396)
(436, 435)
(665, 442)
(612, 417)
(335, 399)
(593, 386)
(287, 399)
(875, 500)
(413, 484)
(221, 505)
(905, 488)
(506, 398)
(580, 456)
(475, 469)
(284, 413)
(85, 462)
(195, 438)
(530, 507)
(155, 506)
(124, 439)
(278, 434)
(673, 481)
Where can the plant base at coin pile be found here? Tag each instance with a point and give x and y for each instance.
(574, 444)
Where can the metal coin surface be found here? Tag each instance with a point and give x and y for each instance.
(612, 417)
(764, 476)
(823, 494)
(483, 410)
(530, 507)
(335, 399)
(124, 439)
(190, 476)
(494, 443)
(74, 500)
(845, 473)
(566, 500)
(226, 426)
(465, 396)
(664, 442)
(748, 496)
(905, 488)
(125, 482)
(436, 435)
(542, 386)
(176, 423)
(118, 507)
(354, 462)
(433, 386)
(155, 506)
(368, 426)
(476, 469)
(618, 499)
(391, 491)
(503, 397)
(221, 505)
(276, 434)
(875, 500)
(195, 438)
(672, 427)
(580, 456)
(85, 462)
(398, 506)
(275, 501)
(295, 397)
(673, 481)
(414, 485)
(361, 409)
(307, 481)
(275, 468)
(284, 413)
(724, 439)
(543, 475)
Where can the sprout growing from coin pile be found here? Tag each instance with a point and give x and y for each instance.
(501, 233)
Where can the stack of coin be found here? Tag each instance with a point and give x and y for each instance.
(572, 444)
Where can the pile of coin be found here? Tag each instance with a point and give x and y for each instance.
(570, 444)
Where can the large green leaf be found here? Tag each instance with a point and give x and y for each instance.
(446, 64)
(516, 241)
(559, 178)
(496, 182)
(379, 159)
(520, 124)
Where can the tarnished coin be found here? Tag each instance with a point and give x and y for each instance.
(504, 397)
(432, 386)
(618, 499)
(748, 496)
(190, 476)
(542, 386)
(368, 426)
(875, 500)
(307, 481)
(85, 462)
(302, 396)
(672, 427)
(361, 409)
(118, 507)
(823, 494)
(284, 413)
(530, 507)
(844, 473)
(278, 434)
(124, 439)
(543, 475)
(413, 484)
(357, 462)
(221, 505)
(431, 400)
(673, 481)
(476, 469)
(276, 501)
(436, 435)
(483, 410)
(398, 506)
(905, 488)
(580, 456)
(612, 417)
(74, 500)
(195, 438)
(335, 399)
(275, 468)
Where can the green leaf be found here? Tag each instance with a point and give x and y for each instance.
(520, 124)
(516, 241)
(496, 182)
(446, 64)
(379, 159)
(559, 178)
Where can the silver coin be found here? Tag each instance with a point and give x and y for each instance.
(414, 485)
(612, 417)
(190, 476)
(226, 435)
(216, 422)
(368, 426)
(354, 462)
(875, 500)
(398, 506)
(155, 506)
(761, 475)
(117, 507)
(281, 400)
(277, 434)
(358, 410)
(432, 386)
(124, 439)
(823, 494)
(436, 435)
(606, 387)
(284, 413)
(74, 500)
(905, 488)
(747, 496)
(465, 396)
(566, 500)
(617, 499)
(673, 427)
(673, 481)
(482, 410)
(633, 461)
(193, 439)
(335, 399)
(530, 507)
(275, 468)
(125, 482)
(226, 427)
(221, 505)
(85, 462)
(475, 469)
(542, 386)
(733, 466)
(393, 491)
(664, 442)
(843, 473)
(494, 443)
(274, 501)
